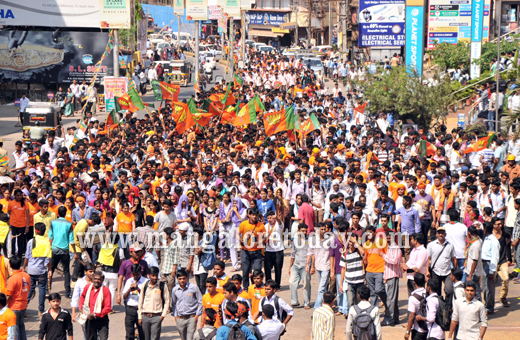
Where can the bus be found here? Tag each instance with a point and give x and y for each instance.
(151, 25)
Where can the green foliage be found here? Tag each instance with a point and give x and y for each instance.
(402, 92)
(489, 50)
(451, 56)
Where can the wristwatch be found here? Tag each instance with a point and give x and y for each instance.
(407, 332)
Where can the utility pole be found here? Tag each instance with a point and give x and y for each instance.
(243, 37)
(330, 23)
(232, 44)
(309, 28)
(179, 31)
(296, 29)
(197, 66)
(115, 50)
(497, 118)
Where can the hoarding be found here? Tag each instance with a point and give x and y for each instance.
(61, 13)
(197, 9)
(485, 27)
(178, 7)
(215, 12)
(449, 21)
(232, 8)
(142, 28)
(381, 22)
(52, 57)
(114, 87)
(114, 13)
(477, 17)
(414, 37)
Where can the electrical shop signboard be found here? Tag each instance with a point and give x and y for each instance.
(381, 23)
(449, 21)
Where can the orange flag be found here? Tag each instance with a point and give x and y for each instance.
(182, 116)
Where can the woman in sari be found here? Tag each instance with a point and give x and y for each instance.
(225, 224)
(69, 102)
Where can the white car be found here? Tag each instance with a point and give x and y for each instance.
(159, 38)
(162, 46)
(256, 46)
(210, 59)
(210, 47)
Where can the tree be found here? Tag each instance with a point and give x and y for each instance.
(402, 92)
(451, 55)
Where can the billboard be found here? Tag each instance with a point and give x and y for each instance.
(178, 7)
(414, 37)
(197, 9)
(52, 57)
(477, 17)
(381, 22)
(114, 87)
(215, 12)
(264, 18)
(66, 13)
(232, 8)
(114, 13)
(142, 31)
(449, 21)
(485, 27)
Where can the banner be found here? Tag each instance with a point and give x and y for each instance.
(232, 8)
(381, 22)
(56, 13)
(215, 13)
(449, 21)
(222, 23)
(485, 27)
(414, 37)
(53, 57)
(477, 18)
(264, 18)
(245, 4)
(178, 7)
(114, 87)
(115, 13)
(197, 9)
(142, 31)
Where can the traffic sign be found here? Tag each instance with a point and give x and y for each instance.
(17, 102)
(50, 95)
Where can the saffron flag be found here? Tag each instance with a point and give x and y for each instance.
(210, 107)
(426, 149)
(130, 101)
(228, 99)
(247, 114)
(182, 116)
(170, 91)
(201, 118)
(279, 121)
(237, 82)
(481, 144)
(310, 125)
(4, 160)
(229, 114)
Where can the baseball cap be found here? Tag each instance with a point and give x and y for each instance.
(136, 247)
(108, 168)
(441, 229)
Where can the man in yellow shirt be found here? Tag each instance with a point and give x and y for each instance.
(44, 216)
(249, 233)
(85, 244)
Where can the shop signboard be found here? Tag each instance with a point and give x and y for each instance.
(485, 27)
(477, 18)
(197, 9)
(414, 36)
(449, 21)
(266, 18)
(52, 57)
(215, 12)
(381, 23)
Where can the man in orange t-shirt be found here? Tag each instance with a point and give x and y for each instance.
(250, 233)
(212, 299)
(7, 319)
(375, 248)
(18, 287)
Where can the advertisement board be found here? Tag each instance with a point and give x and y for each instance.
(381, 22)
(52, 57)
(142, 28)
(232, 8)
(178, 7)
(477, 17)
(61, 13)
(114, 13)
(215, 12)
(114, 87)
(197, 9)
(264, 18)
(449, 21)
(485, 27)
(414, 37)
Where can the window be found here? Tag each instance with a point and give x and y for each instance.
(273, 4)
(262, 4)
(280, 4)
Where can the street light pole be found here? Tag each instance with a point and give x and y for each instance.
(116, 53)
(498, 65)
(197, 66)
(330, 23)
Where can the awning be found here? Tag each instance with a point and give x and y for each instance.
(263, 33)
(279, 30)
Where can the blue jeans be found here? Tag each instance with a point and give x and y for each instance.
(341, 297)
(251, 261)
(491, 116)
(298, 274)
(20, 325)
(323, 278)
(41, 280)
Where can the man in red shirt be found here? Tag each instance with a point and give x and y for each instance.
(18, 287)
(96, 303)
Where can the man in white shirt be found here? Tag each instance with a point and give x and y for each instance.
(131, 291)
(274, 248)
(456, 234)
(364, 305)
(24, 104)
(50, 147)
(269, 328)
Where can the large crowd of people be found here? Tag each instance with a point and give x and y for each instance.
(197, 223)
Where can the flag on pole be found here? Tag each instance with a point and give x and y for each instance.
(310, 125)
(196, 87)
(170, 91)
(481, 143)
(157, 90)
(228, 99)
(279, 121)
(229, 114)
(130, 101)
(237, 81)
(182, 117)
(247, 114)
(201, 118)
(426, 149)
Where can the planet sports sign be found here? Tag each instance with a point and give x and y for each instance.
(414, 35)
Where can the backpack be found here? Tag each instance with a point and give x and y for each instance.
(363, 325)
(443, 315)
(209, 336)
(207, 259)
(282, 314)
(235, 332)
(161, 287)
(422, 310)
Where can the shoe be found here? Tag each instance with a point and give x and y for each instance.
(295, 305)
(387, 323)
(504, 302)
(307, 307)
(68, 296)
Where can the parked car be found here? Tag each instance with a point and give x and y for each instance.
(316, 64)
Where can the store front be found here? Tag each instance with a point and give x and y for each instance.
(264, 26)
(510, 16)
